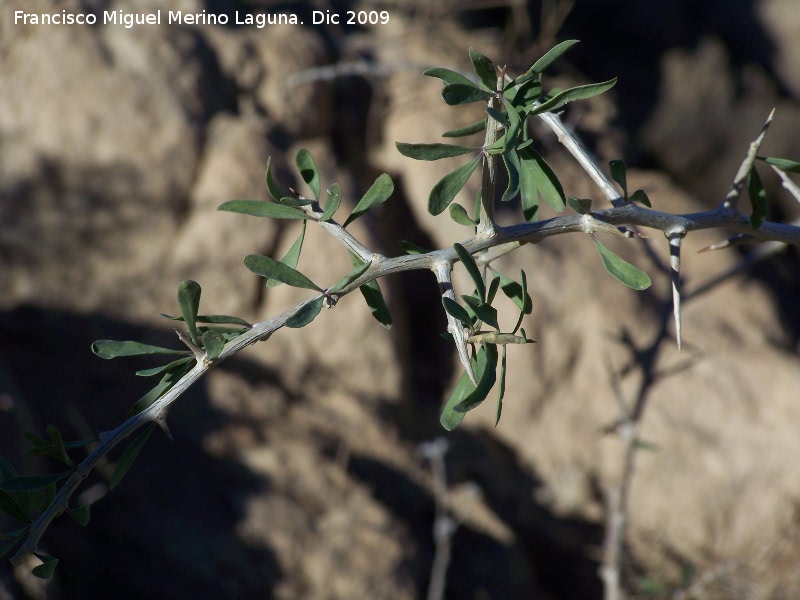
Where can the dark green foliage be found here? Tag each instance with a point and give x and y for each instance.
(623, 271)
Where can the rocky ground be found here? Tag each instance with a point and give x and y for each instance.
(295, 469)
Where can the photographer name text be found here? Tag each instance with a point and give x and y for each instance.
(179, 17)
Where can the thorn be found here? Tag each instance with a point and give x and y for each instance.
(161, 421)
(675, 268)
(198, 354)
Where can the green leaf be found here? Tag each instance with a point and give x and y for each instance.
(262, 208)
(81, 514)
(35, 440)
(46, 569)
(487, 314)
(459, 214)
(111, 349)
(537, 171)
(445, 191)
(758, 198)
(460, 93)
(296, 202)
(167, 381)
(623, 271)
(516, 292)
(268, 267)
(582, 206)
(9, 505)
(308, 170)
(306, 313)
(216, 319)
(467, 396)
(640, 197)
(466, 130)
(529, 191)
(377, 194)
(272, 187)
(189, 301)
(15, 539)
(358, 271)
(60, 452)
(334, 193)
(502, 391)
(484, 69)
(371, 292)
(164, 368)
(129, 455)
(431, 151)
(455, 310)
(552, 55)
(33, 482)
(526, 94)
(494, 285)
(512, 163)
(619, 174)
(784, 164)
(292, 256)
(213, 342)
(472, 268)
(42, 498)
(448, 76)
(412, 248)
(577, 93)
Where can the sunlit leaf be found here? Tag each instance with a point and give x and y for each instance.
(484, 312)
(129, 455)
(448, 76)
(484, 69)
(472, 268)
(213, 342)
(292, 256)
(529, 173)
(460, 93)
(112, 349)
(189, 301)
(577, 93)
(784, 164)
(467, 396)
(466, 130)
(534, 169)
(272, 187)
(528, 93)
(306, 313)
(516, 292)
(308, 170)
(459, 214)
(758, 198)
(512, 164)
(334, 194)
(431, 151)
(552, 55)
(269, 267)
(378, 193)
(494, 285)
(445, 191)
(262, 208)
(167, 381)
(623, 271)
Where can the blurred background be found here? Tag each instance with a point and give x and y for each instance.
(295, 468)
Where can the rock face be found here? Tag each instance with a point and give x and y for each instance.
(294, 470)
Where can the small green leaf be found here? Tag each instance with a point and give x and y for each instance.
(431, 151)
(784, 164)
(296, 202)
(213, 342)
(466, 130)
(374, 298)
(358, 271)
(33, 482)
(58, 444)
(623, 271)
(268, 267)
(306, 313)
(448, 76)
(577, 93)
(111, 349)
(526, 94)
(460, 93)
(467, 396)
(129, 455)
(484, 69)
(46, 569)
(502, 388)
(619, 174)
(455, 310)
(42, 498)
(640, 197)
(445, 191)
(758, 198)
(512, 164)
(262, 208)
(487, 314)
(552, 55)
(189, 301)
(334, 193)
(412, 248)
(459, 214)
(537, 171)
(292, 256)
(582, 206)
(308, 170)
(378, 193)
(35, 440)
(516, 292)
(529, 191)
(494, 285)
(81, 514)
(9, 505)
(164, 368)
(272, 187)
(216, 319)
(472, 268)
(167, 381)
